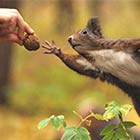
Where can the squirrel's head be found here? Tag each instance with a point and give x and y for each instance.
(85, 38)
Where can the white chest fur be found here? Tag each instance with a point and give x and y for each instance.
(119, 64)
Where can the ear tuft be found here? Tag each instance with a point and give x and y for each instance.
(94, 26)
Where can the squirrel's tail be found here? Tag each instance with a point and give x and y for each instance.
(136, 101)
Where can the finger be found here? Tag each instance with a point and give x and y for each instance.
(13, 37)
(28, 29)
(21, 26)
(21, 30)
(46, 47)
(12, 25)
(16, 22)
(47, 52)
(4, 18)
(53, 43)
(48, 43)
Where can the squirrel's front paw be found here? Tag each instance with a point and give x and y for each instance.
(51, 48)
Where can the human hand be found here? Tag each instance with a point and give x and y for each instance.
(12, 26)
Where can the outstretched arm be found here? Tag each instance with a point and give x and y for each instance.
(74, 62)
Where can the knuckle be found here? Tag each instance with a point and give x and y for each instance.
(14, 16)
(15, 11)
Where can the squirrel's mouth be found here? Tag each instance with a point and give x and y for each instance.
(72, 43)
(75, 45)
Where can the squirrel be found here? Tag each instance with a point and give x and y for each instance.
(116, 61)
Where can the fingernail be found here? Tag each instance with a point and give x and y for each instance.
(31, 31)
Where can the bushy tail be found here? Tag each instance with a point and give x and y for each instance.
(134, 94)
(136, 102)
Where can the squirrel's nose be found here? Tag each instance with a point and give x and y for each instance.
(69, 39)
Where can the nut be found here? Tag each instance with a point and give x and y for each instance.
(31, 42)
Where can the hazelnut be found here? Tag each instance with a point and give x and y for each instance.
(31, 42)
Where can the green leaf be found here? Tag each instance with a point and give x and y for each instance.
(125, 109)
(83, 133)
(75, 137)
(44, 122)
(111, 105)
(58, 121)
(73, 133)
(114, 137)
(112, 110)
(70, 132)
(108, 136)
(130, 134)
(129, 124)
(107, 129)
(120, 133)
(61, 120)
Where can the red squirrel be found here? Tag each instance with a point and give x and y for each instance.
(116, 61)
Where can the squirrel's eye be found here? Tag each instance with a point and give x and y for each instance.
(84, 32)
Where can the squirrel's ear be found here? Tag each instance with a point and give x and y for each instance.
(94, 26)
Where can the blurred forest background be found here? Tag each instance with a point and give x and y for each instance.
(34, 86)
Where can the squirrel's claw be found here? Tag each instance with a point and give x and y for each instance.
(51, 48)
(48, 43)
(46, 47)
(47, 52)
(53, 43)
